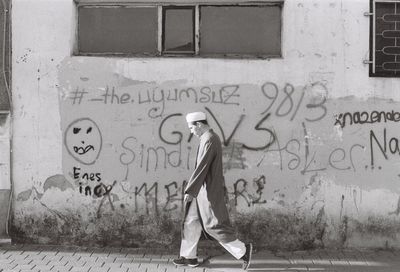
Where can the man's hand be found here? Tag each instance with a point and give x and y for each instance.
(188, 198)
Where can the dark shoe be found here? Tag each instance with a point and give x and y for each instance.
(183, 261)
(247, 256)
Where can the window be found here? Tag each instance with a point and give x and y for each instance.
(385, 39)
(238, 30)
(216, 29)
(113, 29)
(178, 30)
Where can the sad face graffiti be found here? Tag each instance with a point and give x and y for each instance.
(83, 140)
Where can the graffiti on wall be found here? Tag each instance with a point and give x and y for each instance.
(300, 155)
(83, 140)
(159, 97)
(285, 103)
(133, 140)
(379, 141)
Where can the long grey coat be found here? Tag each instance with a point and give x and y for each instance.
(207, 185)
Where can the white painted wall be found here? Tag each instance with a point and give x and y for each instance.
(323, 41)
(5, 156)
(38, 48)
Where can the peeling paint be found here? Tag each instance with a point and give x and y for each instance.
(57, 181)
(126, 81)
(397, 211)
(25, 195)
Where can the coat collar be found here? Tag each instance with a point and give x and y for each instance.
(206, 134)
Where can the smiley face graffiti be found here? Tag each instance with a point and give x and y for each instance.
(83, 140)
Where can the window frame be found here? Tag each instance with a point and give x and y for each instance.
(164, 5)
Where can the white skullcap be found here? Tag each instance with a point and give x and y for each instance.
(195, 116)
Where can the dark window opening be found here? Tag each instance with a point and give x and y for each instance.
(178, 30)
(125, 30)
(235, 30)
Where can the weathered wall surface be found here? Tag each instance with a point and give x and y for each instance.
(102, 151)
(5, 184)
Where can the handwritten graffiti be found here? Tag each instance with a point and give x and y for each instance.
(384, 145)
(281, 127)
(87, 176)
(233, 156)
(83, 140)
(337, 158)
(175, 152)
(99, 190)
(287, 104)
(224, 95)
(77, 96)
(178, 136)
(301, 154)
(225, 140)
(269, 134)
(366, 117)
(153, 158)
(149, 194)
(128, 156)
(240, 190)
(308, 158)
(84, 179)
(102, 190)
(173, 195)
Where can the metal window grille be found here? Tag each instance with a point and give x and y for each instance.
(385, 38)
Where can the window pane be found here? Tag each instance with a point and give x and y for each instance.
(387, 50)
(240, 30)
(117, 30)
(178, 30)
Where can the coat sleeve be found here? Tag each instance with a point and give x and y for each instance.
(200, 173)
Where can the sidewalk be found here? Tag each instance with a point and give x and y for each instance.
(82, 259)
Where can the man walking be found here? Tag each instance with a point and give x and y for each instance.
(205, 208)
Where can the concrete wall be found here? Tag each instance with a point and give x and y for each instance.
(299, 175)
(5, 181)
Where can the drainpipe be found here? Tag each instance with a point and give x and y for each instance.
(6, 192)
